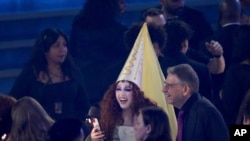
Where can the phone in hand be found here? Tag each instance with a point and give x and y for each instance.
(94, 122)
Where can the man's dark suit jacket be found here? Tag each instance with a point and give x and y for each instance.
(225, 36)
(202, 121)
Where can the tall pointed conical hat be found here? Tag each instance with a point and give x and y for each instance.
(143, 69)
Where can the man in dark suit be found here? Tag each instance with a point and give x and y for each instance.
(200, 120)
(229, 13)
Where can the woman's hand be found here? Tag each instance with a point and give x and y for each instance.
(96, 134)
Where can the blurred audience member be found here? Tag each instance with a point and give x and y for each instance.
(152, 124)
(245, 7)
(176, 9)
(6, 103)
(30, 122)
(155, 16)
(94, 111)
(237, 80)
(229, 13)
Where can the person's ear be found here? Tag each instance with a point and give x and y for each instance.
(184, 46)
(148, 130)
(186, 89)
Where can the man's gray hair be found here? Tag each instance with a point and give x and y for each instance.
(186, 74)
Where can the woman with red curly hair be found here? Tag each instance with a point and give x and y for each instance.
(119, 107)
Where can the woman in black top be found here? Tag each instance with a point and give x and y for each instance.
(52, 78)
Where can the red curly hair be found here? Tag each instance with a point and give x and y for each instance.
(111, 112)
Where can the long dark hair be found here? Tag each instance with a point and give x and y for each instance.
(42, 45)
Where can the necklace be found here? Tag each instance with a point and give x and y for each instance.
(56, 75)
(54, 78)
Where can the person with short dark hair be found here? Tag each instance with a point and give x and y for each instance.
(198, 118)
(229, 20)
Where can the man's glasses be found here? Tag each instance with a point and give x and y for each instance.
(169, 86)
